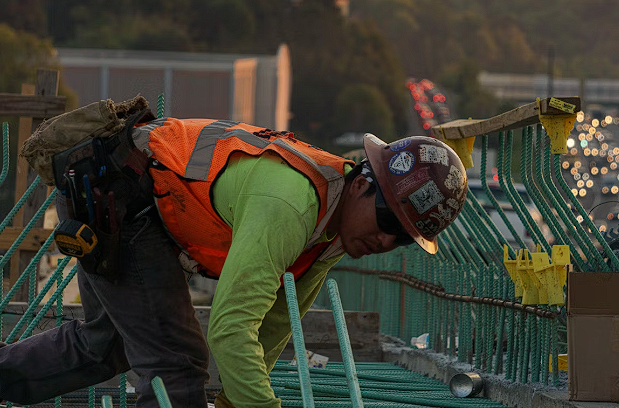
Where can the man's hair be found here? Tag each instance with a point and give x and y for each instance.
(354, 173)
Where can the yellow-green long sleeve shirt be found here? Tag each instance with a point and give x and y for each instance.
(272, 210)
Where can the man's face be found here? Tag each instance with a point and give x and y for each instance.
(358, 226)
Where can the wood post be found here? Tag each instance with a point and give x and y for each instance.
(46, 87)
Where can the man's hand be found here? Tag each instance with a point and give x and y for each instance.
(222, 402)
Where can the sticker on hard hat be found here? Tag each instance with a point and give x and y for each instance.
(426, 197)
(400, 144)
(427, 227)
(455, 181)
(433, 154)
(401, 163)
(417, 177)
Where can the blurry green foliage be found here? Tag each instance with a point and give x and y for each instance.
(363, 108)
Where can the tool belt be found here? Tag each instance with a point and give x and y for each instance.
(105, 181)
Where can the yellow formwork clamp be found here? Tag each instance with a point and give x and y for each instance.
(558, 127)
(540, 265)
(510, 266)
(524, 269)
(562, 362)
(553, 274)
(462, 147)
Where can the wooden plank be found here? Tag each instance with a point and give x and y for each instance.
(46, 85)
(36, 106)
(33, 241)
(21, 184)
(523, 116)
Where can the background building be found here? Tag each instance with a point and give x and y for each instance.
(248, 88)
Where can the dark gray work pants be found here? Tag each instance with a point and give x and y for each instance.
(146, 322)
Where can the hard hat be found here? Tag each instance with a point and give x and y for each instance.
(423, 182)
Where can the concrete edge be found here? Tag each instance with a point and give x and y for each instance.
(517, 395)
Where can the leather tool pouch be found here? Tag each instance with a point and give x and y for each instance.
(104, 179)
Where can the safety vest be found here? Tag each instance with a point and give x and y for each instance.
(188, 155)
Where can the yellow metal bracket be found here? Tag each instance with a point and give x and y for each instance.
(524, 269)
(558, 127)
(553, 275)
(510, 266)
(462, 147)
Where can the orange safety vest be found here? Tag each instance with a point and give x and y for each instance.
(189, 155)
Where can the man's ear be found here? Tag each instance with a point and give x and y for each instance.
(359, 185)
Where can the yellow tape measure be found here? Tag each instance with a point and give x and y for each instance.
(74, 238)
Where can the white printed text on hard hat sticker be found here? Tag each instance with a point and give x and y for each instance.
(433, 154)
(400, 144)
(401, 163)
(426, 197)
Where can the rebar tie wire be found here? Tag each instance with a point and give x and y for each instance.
(438, 291)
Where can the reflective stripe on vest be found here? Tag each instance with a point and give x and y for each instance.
(191, 154)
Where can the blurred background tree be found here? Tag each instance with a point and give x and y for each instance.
(21, 54)
(378, 46)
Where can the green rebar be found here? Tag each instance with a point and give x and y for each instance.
(545, 349)
(106, 401)
(160, 105)
(554, 351)
(25, 274)
(479, 210)
(535, 351)
(470, 250)
(345, 348)
(498, 362)
(515, 351)
(5, 153)
(35, 303)
(49, 304)
(59, 277)
(426, 400)
(480, 233)
(565, 214)
(522, 342)
(19, 205)
(160, 392)
(297, 339)
(276, 381)
(91, 397)
(566, 189)
(528, 333)
(490, 196)
(505, 180)
(455, 251)
(536, 195)
(122, 390)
